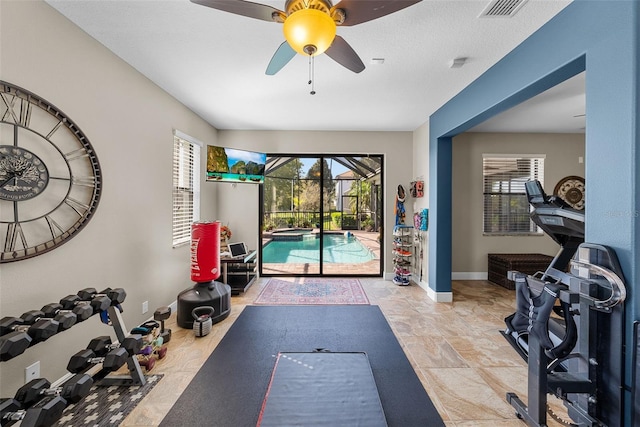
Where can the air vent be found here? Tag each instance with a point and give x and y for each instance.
(502, 8)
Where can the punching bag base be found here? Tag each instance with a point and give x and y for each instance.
(214, 294)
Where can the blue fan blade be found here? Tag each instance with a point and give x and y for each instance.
(283, 55)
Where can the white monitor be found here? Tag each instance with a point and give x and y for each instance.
(238, 249)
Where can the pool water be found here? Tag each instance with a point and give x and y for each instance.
(337, 249)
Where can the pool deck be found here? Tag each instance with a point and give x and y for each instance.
(369, 268)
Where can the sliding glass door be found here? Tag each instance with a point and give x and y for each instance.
(321, 215)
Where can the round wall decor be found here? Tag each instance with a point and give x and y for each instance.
(50, 177)
(571, 190)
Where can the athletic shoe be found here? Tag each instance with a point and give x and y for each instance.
(403, 252)
(401, 281)
(400, 271)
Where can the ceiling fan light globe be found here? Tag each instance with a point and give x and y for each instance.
(309, 27)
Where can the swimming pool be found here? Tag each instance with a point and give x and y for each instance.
(338, 249)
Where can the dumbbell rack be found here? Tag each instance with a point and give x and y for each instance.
(135, 377)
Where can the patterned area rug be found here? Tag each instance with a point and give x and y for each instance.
(106, 406)
(312, 291)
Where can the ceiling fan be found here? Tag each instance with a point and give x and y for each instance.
(310, 25)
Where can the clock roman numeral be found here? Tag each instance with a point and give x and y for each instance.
(76, 154)
(9, 105)
(14, 230)
(84, 181)
(54, 227)
(79, 207)
(20, 117)
(55, 128)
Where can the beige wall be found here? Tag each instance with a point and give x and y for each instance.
(469, 246)
(395, 146)
(421, 172)
(130, 123)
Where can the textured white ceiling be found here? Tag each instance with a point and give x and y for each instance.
(560, 109)
(214, 62)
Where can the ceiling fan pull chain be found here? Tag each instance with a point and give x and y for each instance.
(312, 75)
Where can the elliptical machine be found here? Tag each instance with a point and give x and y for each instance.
(575, 354)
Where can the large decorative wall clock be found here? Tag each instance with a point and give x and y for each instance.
(50, 178)
(571, 190)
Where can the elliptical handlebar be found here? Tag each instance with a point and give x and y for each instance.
(618, 290)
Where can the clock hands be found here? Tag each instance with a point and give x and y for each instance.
(7, 180)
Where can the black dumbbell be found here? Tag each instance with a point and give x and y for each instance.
(84, 359)
(82, 312)
(43, 414)
(13, 344)
(161, 314)
(116, 296)
(8, 406)
(98, 304)
(102, 345)
(40, 330)
(73, 390)
(65, 320)
(10, 411)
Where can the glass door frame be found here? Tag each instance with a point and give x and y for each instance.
(379, 214)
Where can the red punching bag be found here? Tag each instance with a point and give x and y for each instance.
(205, 251)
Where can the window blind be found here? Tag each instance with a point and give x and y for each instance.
(186, 188)
(506, 208)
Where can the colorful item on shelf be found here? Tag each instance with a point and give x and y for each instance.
(225, 236)
(417, 189)
(225, 232)
(399, 207)
(421, 220)
(424, 219)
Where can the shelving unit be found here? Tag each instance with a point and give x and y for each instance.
(239, 273)
(402, 254)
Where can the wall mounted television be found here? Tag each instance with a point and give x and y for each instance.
(232, 165)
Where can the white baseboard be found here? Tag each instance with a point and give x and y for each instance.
(174, 306)
(481, 275)
(443, 297)
(435, 296)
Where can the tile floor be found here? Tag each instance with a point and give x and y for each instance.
(464, 363)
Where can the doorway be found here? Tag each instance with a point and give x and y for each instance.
(320, 215)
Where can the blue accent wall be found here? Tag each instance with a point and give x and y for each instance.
(600, 37)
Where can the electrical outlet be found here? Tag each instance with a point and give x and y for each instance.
(145, 307)
(32, 372)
